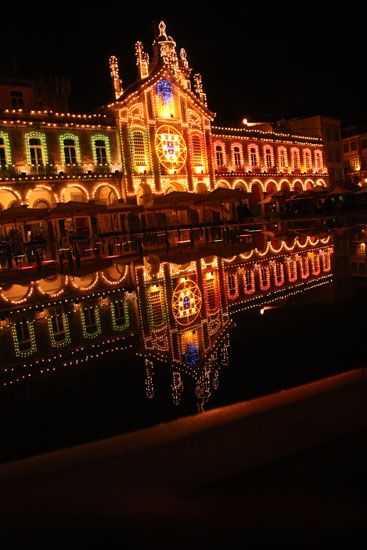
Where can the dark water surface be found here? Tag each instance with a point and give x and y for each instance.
(206, 332)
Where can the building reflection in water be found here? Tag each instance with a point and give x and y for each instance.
(175, 315)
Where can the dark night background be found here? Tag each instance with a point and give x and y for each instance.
(257, 61)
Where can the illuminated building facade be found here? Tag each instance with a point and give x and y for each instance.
(157, 136)
(355, 156)
(329, 130)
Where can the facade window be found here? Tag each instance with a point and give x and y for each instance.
(219, 155)
(36, 149)
(36, 152)
(156, 308)
(337, 155)
(295, 158)
(237, 156)
(268, 158)
(5, 152)
(355, 163)
(346, 147)
(196, 150)
(318, 161)
(212, 295)
(253, 156)
(139, 149)
(69, 151)
(16, 99)
(58, 324)
(120, 313)
(90, 320)
(3, 162)
(23, 334)
(283, 158)
(307, 159)
(364, 143)
(232, 282)
(101, 149)
(353, 146)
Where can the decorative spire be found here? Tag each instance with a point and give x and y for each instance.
(114, 72)
(183, 56)
(142, 60)
(165, 48)
(162, 29)
(199, 87)
(185, 69)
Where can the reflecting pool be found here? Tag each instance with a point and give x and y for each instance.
(149, 339)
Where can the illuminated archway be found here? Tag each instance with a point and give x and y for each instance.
(144, 194)
(9, 197)
(39, 194)
(74, 192)
(223, 183)
(240, 184)
(321, 182)
(270, 187)
(285, 185)
(173, 186)
(297, 186)
(105, 193)
(256, 193)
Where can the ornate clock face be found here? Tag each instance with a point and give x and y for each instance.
(170, 147)
(186, 302)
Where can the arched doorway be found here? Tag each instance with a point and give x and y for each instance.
(255, 198)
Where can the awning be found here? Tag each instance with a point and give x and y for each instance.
(76, 208)
(22, 213)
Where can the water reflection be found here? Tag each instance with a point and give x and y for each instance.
(172, 311)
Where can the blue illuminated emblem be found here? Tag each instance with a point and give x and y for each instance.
(164, 90)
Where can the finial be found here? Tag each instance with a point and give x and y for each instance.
(162, 29)
(114, 72)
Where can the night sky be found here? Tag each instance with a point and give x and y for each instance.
(259, 62)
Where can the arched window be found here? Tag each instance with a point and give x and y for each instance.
(237, 156)
(319, 164)
(253, 153)
(139, 148)
(36, 149)
(156, 307)
(268, 157)
(295, 158)
(196, 150)
(307, 159)
(5, 158)
(219, 155)
(282, 158)
(101, 149)
(70, 150)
